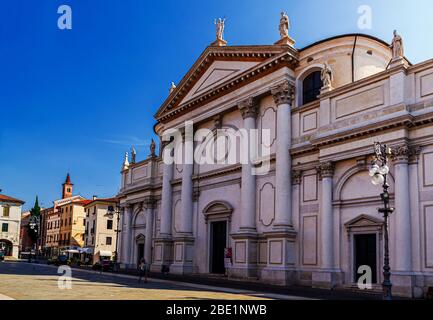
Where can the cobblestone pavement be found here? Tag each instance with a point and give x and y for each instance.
(22, 280)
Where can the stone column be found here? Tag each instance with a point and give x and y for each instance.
(415, 208)
(403, 260)
(184, 240)
(326, 170)
(163, 246)
(249, 111)
(150, 206)
(327, 276)
(128, 234)
(283, 97)
(296, 194)
(167, 201)
(187, 184)
(245, 240)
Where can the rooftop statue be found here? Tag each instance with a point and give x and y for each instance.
(397, 46)
(284, 25)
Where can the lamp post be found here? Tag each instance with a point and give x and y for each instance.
(111, 211)
(34, 227)
(379, 173)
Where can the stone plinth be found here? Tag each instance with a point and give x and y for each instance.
(281, 257)
(286, 41)
(162, 253)
(326, 279)
(183, 251)
(244, 256)
(219, 43)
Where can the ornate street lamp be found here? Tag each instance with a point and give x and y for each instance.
(379, 173)
(34, 229)
(110, 212)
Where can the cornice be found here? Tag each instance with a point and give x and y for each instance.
(383, 75)
(405, 120)
(262, 69)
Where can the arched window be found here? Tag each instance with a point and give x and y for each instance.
(311, 87)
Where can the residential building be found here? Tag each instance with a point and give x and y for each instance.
(72, 219)
(10, 220)
(26, 243)
(101, 226)
(310, 217)
(52, 227)
(52, 220)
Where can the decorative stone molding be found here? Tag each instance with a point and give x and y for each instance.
(218, 209)
(401, 153)
(283, 93)
(296, 177)
(361, 162)
(405, 153)
(326, 169)
(150, 202)
(415, 153)
(248, 108)
(364, 223)
(195, 194)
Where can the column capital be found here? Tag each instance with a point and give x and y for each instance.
(248, 108)
(150, 202)
(405, 153)
(296, 177)
(414, 155)
(326, 169)
(401, 153)
(283, 93)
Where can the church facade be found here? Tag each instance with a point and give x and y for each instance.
(311, 218)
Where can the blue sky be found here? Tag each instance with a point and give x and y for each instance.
(76, 100)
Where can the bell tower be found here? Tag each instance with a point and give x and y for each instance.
(67, 188)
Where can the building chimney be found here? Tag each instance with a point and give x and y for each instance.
(95, 197)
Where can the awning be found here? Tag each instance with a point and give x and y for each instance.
(87, 250)
(105, 253)
(72, 251)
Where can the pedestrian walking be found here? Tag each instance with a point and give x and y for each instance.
(142, 270)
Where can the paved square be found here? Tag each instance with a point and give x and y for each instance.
(21, 280)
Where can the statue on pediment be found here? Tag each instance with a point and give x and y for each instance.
(219, 24)
(220, 28)
(172, 87)
(397, 46)
(284, 25)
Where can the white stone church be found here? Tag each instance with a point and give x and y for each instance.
(312, 219)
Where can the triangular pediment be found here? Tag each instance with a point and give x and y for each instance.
(216, 67)
(363, 221)
(218, 72)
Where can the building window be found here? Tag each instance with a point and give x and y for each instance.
(311, 87)
(109, 224)
(70, 220)
(5, 227)
(108, 241)
(68, 189)
(6, 211)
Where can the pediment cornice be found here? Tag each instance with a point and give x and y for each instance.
(268, 58)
